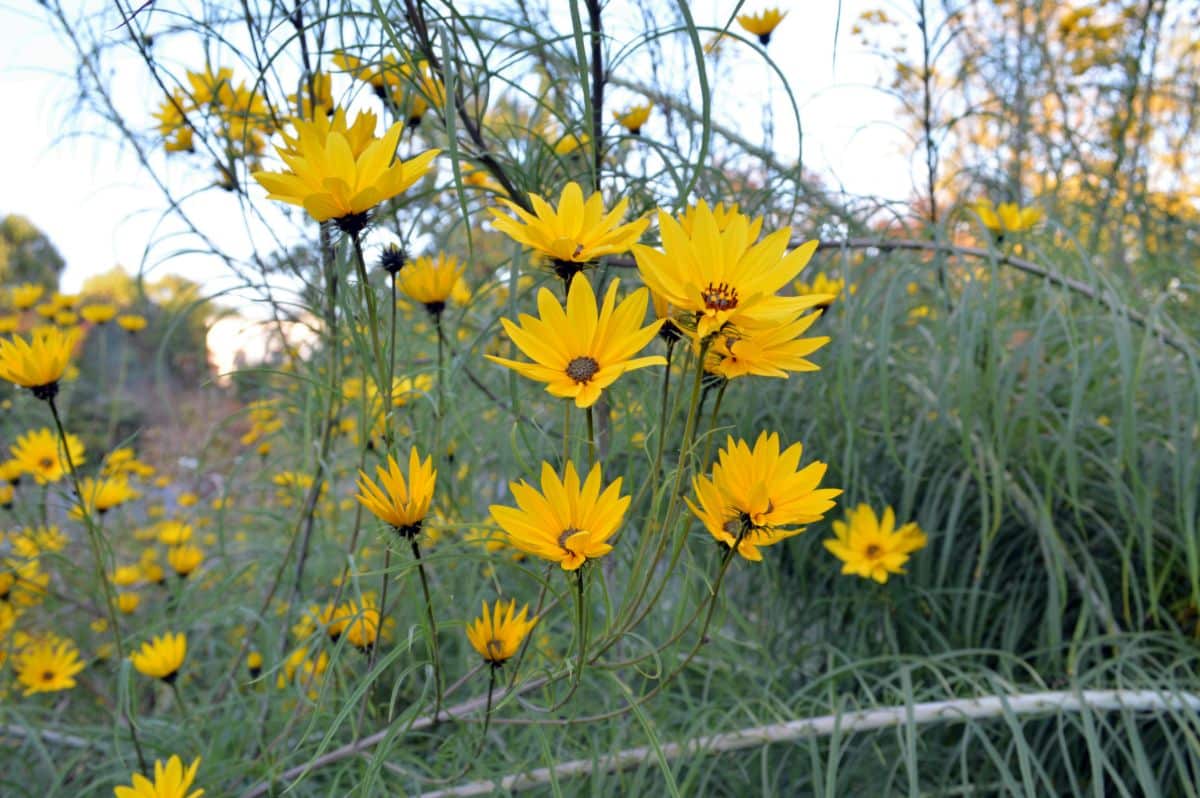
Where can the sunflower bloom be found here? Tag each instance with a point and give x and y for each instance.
(497, 634)
(40, 453)
(48, 666)
(718, 277)
(401, 504)
(1007, 218)
(332, 175)
(161, 657)
(762, 24)
(873, 547)
(131, 323)
(170, 781)
(567, 523)
(98, 496)
(26, 295)
(771, 352)
(40, 362)
(758, 497)
(633, 119)
(431, 281)
(575, 233)
(581, 350)
(184, 559)
(100, 313)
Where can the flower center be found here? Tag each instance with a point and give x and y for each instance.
(873, 551)
(721, 296)
(495, 649)
(582, 369)
(47, 676)
(565, 536)
(46, 463)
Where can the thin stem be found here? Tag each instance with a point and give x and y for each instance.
(487, 711)
(360, 265)
(712, 424)
(566, 458)
(433, 639)
(591, 439)
(110, 602)
(187, 718)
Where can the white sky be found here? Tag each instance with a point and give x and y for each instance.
(99, 208)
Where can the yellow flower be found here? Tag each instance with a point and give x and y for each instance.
(762, 24)
(46, 310)
(161, 657)
(23, 583)
(1008, 218)
(360, 623)
(66, 318)
(719, 278)
(6, 495)
(48, 666)
(824, 284)
(101, 495)
(497, 635)
(566, 523)
(174, 533)
(315, 96)
(634, 118)
(40, 362)
(431, 281)
(9, 323)
(571, 142)
(171, 781)
(400, 504)
(722, 215)
(100, 313)
(579, 351)
(769, 352)
(128, 603)
(39, 452)
(577, 232)
(873, 547)
(11, 471)
(131, 322)
(331, 180)
(254, 663)
(26, 295)
(184, 559)
(759, 497)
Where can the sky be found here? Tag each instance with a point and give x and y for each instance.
(100, 208)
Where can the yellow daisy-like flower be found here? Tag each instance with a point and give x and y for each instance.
(330, 180)
(581, 350)
(722, 215)
(40, 453)
(360, 623)
(633, 119)
(161, 657)
(873, 547)
(170, 781)
(9, 323)
(577, 232)
(431, 281)
(315, 96)
(131, 322)
(824, 284)
(1007, 218)
(66, 318)
(6, 496)
(497, 635)
(128, 603)
(762, 24)
(26, 295)
(47, 666)
(174, 533)
(100, 313)
(184, 559)
(11, 471)
(758, 497)
(101, 495)
(567, 523)
(40, 362)
(401, 504)
(769, 352)
(718, 277)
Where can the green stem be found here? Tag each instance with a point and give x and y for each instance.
(433, 639)
(591, 439)
(360, 265)
(566, 434)
(187, 718)
(110, 601)
(712, 424)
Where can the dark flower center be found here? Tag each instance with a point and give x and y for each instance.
(47, 676)
(721, 296)
(45, 464)
(873, 551)
(495, 650)
(582, 369)
(566, 535)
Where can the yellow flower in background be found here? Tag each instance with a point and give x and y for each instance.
(23, 583)
(184, 559)
(100, 313)
(567, 522)
(769, 352)
(315, 96)
(172, 121)
(25, 295)
(634, 118)
(762, 24)
(720, 277)
(11, 471)
(174, 533)
(824, 284)
(722, 215)
(161, 657)
(498, 634)
(98, 496)
(1007, 218)
(48, 666)
(9, 323)
(570, 143)
(6, 496)
(131, 322)
(401, 504)
(361, 623)
(431, 281)
(39, 453)
(873, 547)
(333, 182)
(576, 232)
(66, 318)
(40, 362)
(170, 781)
(128, 603)
(758, 497)
(46, 310)
(581, 350)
